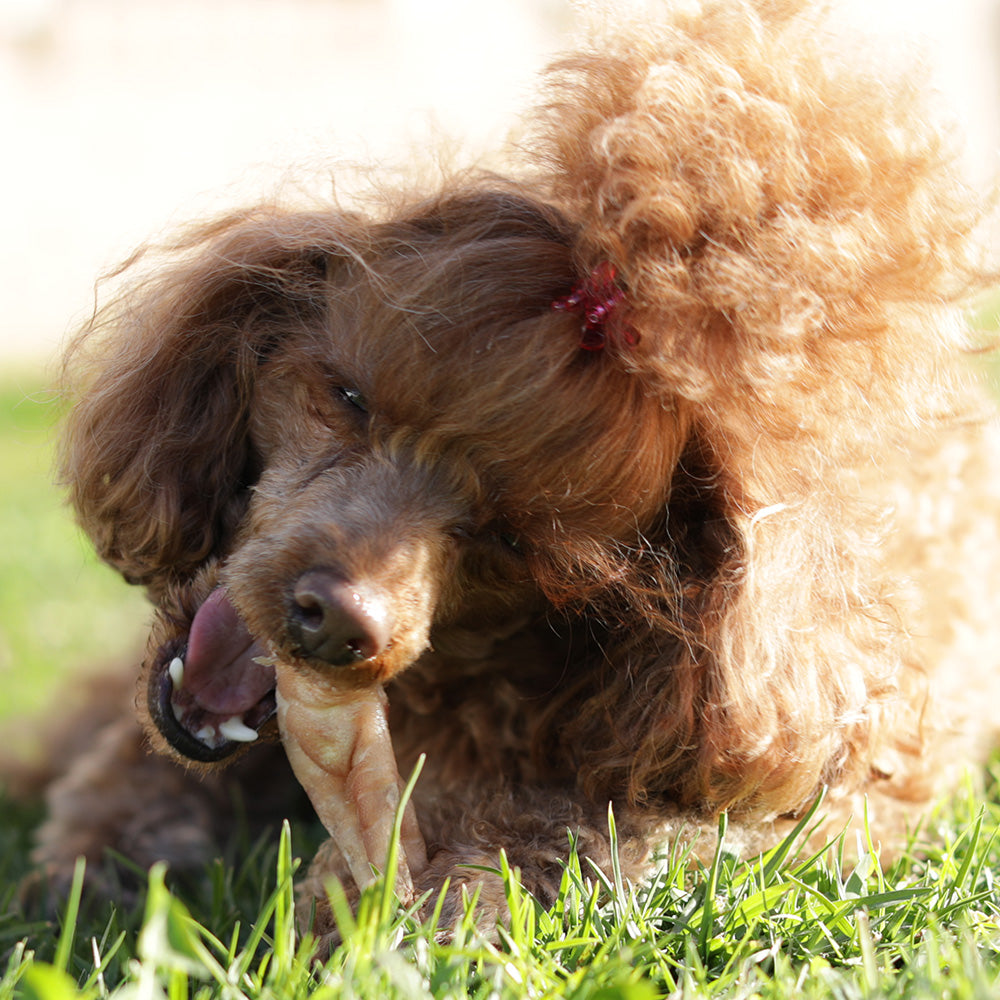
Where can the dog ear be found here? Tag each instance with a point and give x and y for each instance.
(794, 245)
(765, 647)
(155, 451)
(790, 648)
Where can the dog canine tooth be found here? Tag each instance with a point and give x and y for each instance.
(237, 730)
(176, 671)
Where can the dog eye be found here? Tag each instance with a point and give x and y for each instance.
(510, 541)
(353, 397)
(491, 536)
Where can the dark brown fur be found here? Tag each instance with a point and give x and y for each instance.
(746, 547)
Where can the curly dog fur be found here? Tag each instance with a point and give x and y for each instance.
(746, 551)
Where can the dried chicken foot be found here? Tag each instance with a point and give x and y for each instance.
(336, 736)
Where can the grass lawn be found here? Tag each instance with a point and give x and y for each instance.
(60, 610)
(777, 927)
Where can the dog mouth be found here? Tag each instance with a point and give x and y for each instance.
(211, 691)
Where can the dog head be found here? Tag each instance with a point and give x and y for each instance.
(341, 441)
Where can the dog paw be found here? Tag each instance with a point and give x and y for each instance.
(465, 879)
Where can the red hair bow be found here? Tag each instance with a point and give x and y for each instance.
(597, 297)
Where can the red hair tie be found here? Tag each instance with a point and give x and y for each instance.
(597, 296)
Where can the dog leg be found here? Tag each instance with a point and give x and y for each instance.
(118, 797)
(531, 825)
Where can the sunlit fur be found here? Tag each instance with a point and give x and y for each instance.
(756, 552)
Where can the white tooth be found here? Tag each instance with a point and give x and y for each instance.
(176, 671)
(208, 736)
(237, 730)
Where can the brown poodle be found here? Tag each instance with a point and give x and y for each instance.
(650, 475)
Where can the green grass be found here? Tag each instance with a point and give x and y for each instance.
(776, 927)
(60, 610)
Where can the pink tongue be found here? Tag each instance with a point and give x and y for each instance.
(219, 667)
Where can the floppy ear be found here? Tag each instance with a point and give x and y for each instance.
(765, 651)
(155, 452)
(794, 245)
(791, 648)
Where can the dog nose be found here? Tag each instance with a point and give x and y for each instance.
(338, 621)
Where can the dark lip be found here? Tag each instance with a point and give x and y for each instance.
(159, 694)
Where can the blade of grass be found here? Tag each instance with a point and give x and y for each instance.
(66, 936)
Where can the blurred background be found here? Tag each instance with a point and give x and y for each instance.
(122, 118)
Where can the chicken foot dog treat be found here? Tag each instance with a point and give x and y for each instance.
(336, 736)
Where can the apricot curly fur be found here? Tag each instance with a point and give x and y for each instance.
(754, 552)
